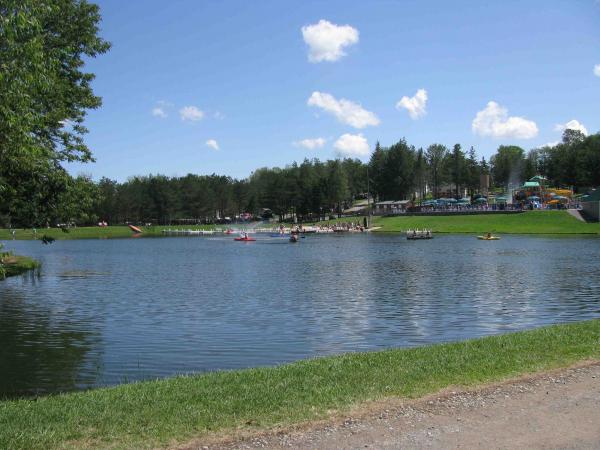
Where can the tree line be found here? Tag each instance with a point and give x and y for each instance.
(313, 189)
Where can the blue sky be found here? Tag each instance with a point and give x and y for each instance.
(185, 77)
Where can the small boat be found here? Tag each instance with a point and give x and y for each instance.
(134, 228)
(414, 235)
(488, 238)
(244, 238)
(228, 231)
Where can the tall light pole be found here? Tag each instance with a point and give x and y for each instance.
(368, 199)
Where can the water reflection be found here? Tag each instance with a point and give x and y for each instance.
(41, 352)
(105, 312)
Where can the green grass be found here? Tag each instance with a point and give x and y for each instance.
(528, 222)
(11, 265)
(171, 411)
(95, 232)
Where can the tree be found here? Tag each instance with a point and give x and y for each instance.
(436, 154)
(377, 171)
(507, 165)
(399, 170)
(44, 95)
(420, 173)
(473, 170)
(457, 168)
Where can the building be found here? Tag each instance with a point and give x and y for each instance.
(591, 205)
(391, 207)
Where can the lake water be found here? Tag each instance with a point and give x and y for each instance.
(103, 312)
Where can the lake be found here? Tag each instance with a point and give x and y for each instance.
(103, 312)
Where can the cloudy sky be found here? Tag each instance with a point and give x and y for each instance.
(230, 86)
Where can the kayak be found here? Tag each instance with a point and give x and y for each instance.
(491, 238)
(244, 239)
(134, 228)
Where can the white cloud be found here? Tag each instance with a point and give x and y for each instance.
(310, 144)
(346, 111)
(353, 145)
(212, 144)
(326, 41)
(414, 105)
(191, 113)
(597, 70)
(571, 125)
(159, 111)
(494, 121)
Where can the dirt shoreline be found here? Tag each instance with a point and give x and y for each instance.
(555, 409)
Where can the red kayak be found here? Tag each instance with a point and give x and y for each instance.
(244, 239)
(134, 228)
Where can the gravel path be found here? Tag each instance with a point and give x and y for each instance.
(558, 409)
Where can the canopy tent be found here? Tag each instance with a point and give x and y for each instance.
(531, 184)
(501, 199)
(481, 200)
(538, 178)
(533, 198)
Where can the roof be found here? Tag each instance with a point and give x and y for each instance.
(593, 196)
(392, 202)
(355, 209)
(531, 184)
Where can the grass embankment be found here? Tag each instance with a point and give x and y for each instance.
(175, 410)
(528, 222)
(95, 232)
(11, 265)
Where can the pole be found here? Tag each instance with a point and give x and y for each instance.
(368, 200)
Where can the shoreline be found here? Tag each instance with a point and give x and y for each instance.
(184, 409)
(13, 265)
(526, 223)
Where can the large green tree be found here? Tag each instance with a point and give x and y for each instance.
(508, 165)
(44, 96)
(436, 156)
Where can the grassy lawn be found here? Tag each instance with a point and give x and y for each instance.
(175, 410)
(529, 222)
(96, 232)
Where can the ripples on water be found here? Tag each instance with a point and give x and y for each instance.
(110, 311)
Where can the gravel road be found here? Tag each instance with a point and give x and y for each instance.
(559, 409)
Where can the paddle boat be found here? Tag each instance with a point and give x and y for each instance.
(134, 228)
(488, 237)
(244, 238)
(418, 234)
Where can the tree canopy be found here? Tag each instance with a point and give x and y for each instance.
(44, 96)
